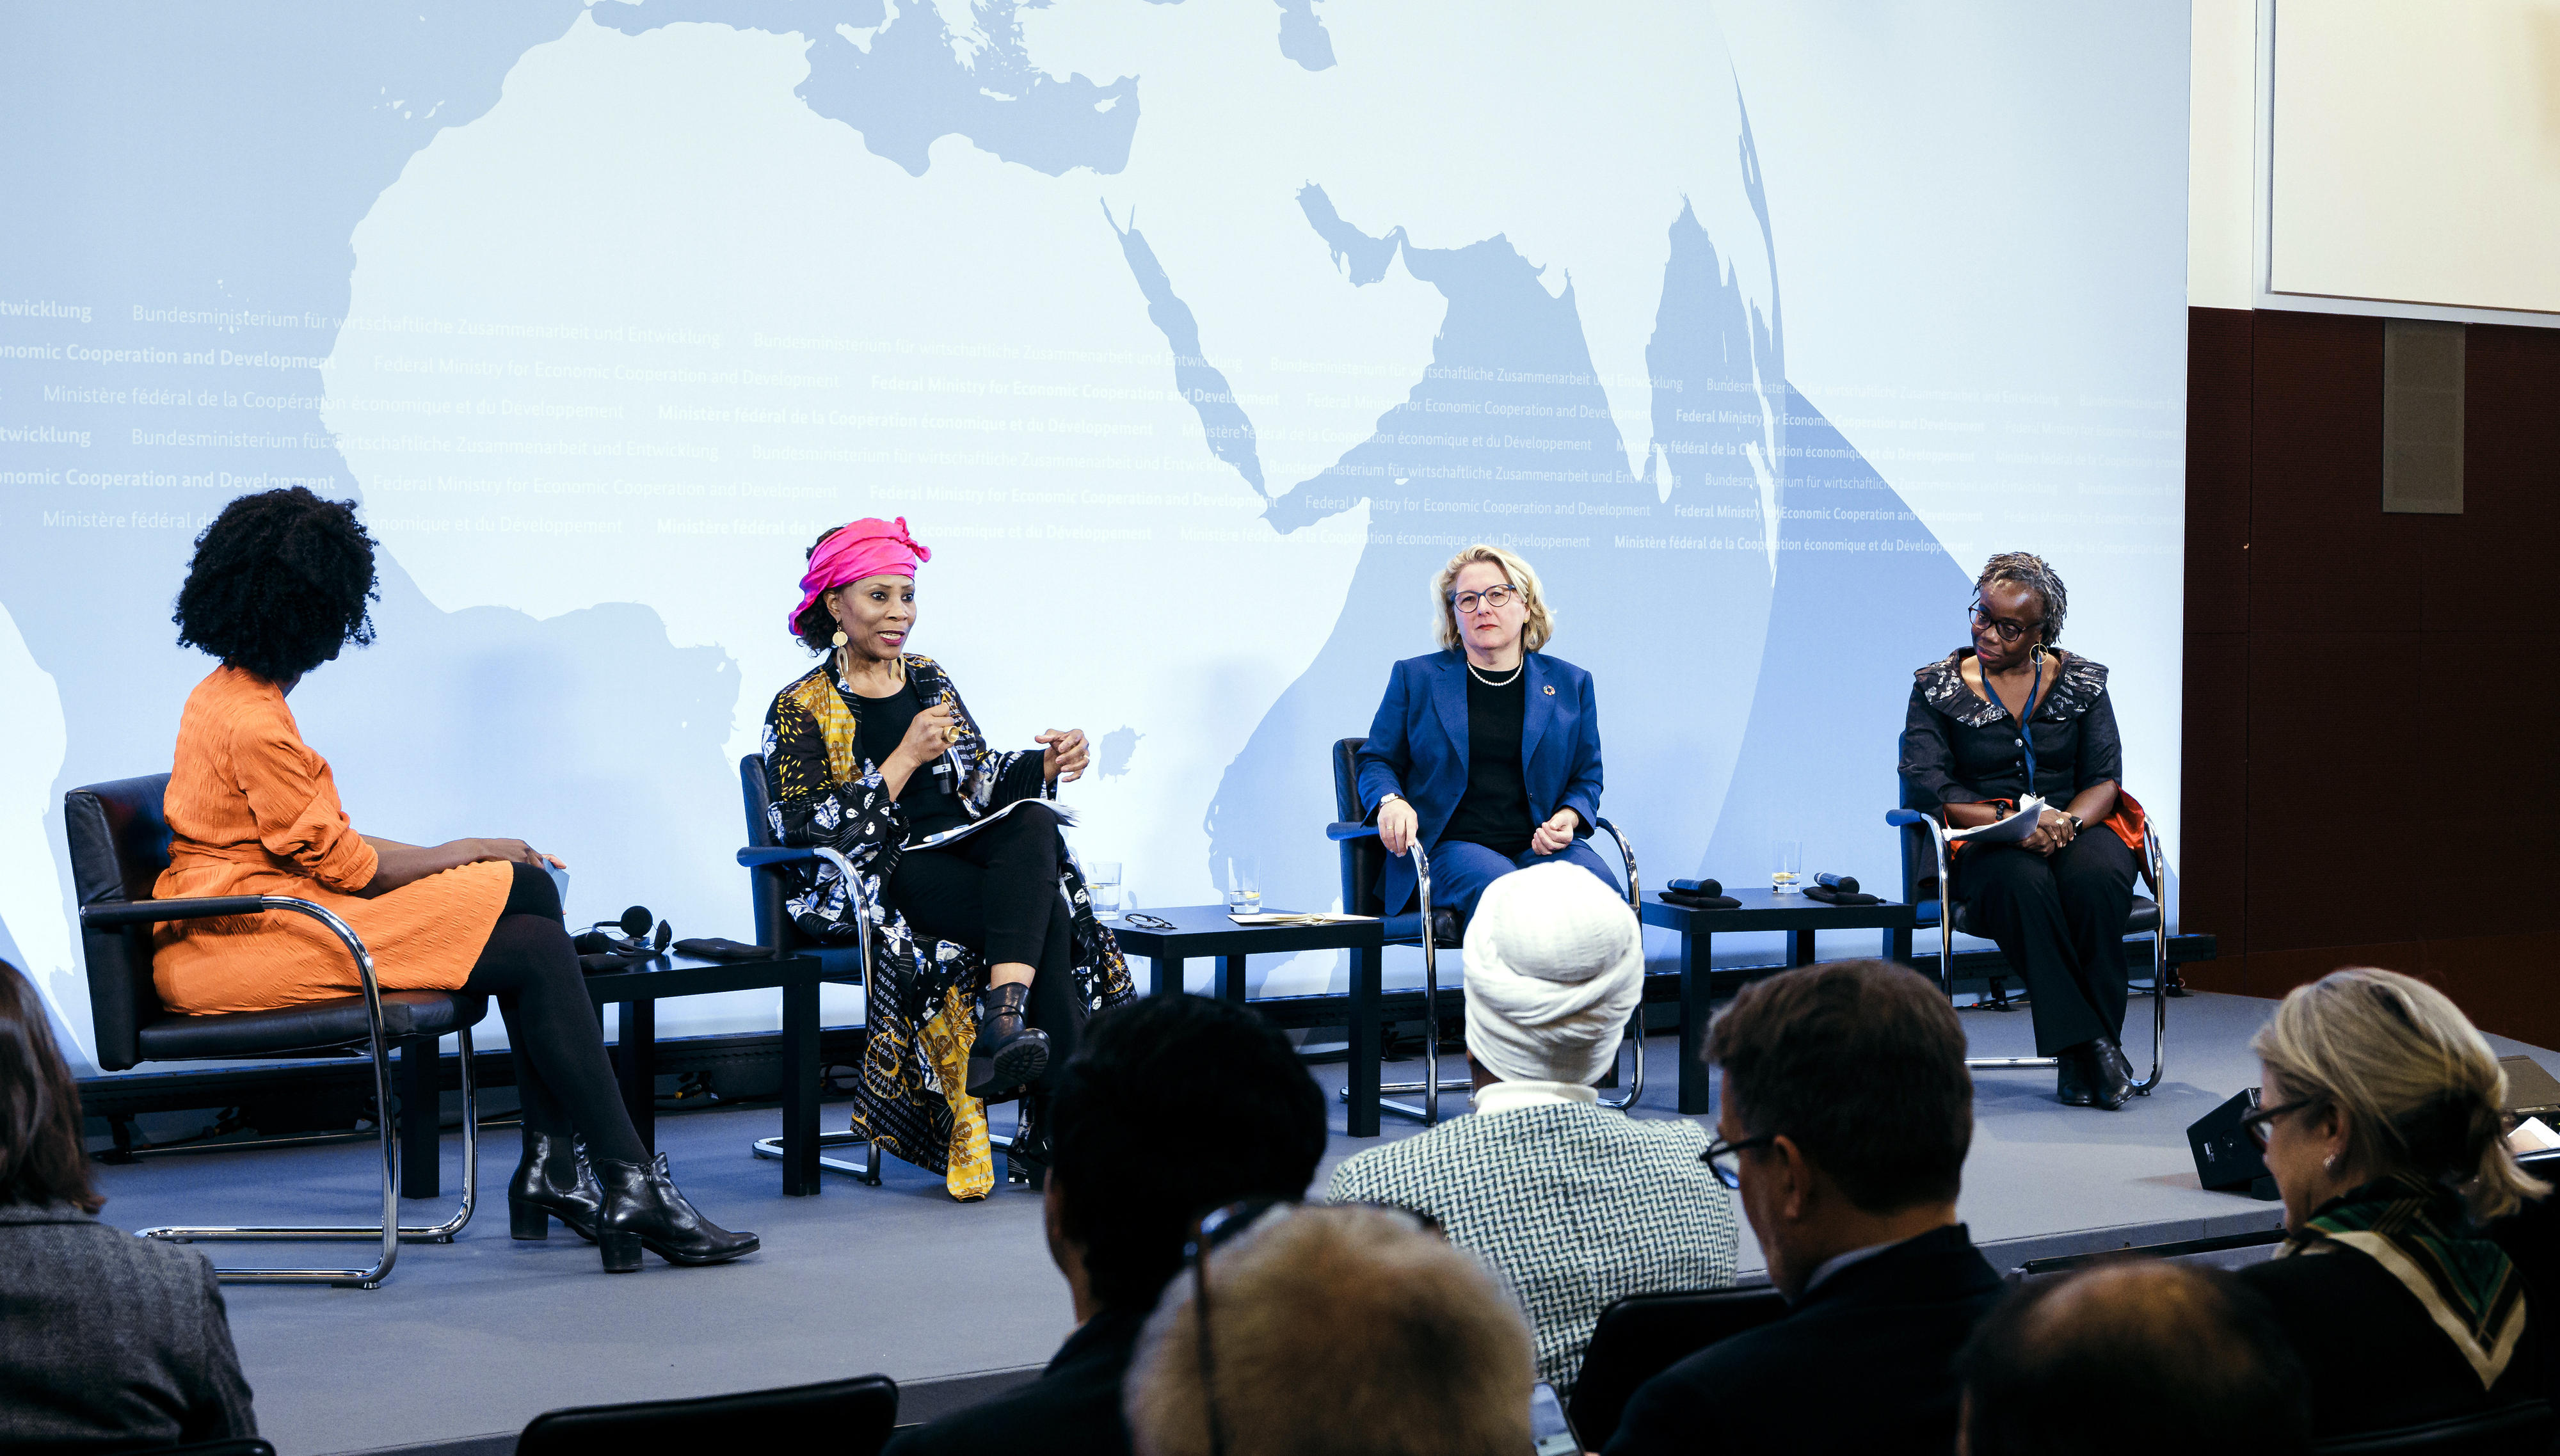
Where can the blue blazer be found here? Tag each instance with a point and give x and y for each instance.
(1417, 748)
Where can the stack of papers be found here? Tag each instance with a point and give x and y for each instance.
(1287, 918)
(2013, 830)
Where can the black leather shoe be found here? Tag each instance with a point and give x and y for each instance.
(1446, 932)
(1009, 1052)
(2111, 1073)
(644, 1209)
(553, 1181)
(1026, 1161)
(2070, 1084)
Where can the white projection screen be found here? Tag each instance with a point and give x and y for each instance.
(1192, 337)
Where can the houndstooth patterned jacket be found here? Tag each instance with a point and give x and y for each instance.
(1575, 1204)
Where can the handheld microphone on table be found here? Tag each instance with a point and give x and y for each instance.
(1844, 884)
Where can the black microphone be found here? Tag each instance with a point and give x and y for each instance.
(1844, 884)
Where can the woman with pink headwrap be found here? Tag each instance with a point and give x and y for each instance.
(987, 957)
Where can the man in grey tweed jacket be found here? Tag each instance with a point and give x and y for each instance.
(1575, 1204)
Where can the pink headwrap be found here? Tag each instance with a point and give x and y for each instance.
(868, 548)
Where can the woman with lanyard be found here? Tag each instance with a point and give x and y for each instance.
(2056, 903)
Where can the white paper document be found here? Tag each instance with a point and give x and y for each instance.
(958, 831)
(2013, 830)
(1287, 918)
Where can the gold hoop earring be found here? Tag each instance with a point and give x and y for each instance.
(841, 638)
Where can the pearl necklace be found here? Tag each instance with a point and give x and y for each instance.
(1490, 683)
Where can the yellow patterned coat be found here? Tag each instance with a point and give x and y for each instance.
(921, 997)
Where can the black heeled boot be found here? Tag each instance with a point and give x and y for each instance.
(2111, 1076)
(644, 1209)
(1026, 1161)
(1009, 1052)
(553, 1181)
(2070, 1082)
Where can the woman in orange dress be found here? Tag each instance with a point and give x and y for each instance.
(280, 582)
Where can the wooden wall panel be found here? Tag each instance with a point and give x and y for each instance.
(2371, 717)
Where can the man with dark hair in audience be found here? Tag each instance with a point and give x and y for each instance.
(1846, 1115)
(1172, 1106)
(2134, 1359)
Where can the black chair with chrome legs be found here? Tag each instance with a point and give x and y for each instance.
(774, 865)
(119, 844)
(1364, 862)
(1927, 888)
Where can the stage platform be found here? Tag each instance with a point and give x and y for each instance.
(468, 1341)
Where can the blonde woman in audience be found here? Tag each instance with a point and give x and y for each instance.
(1332, 1328)
(2380, 1116)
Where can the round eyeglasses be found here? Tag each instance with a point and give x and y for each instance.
(1492, 599)
(2008, 631)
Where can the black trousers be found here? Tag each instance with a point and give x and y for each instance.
(2060, 921)
(562, 1077)
(995, 893)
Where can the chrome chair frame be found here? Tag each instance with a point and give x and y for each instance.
(390, 1231)
(1427, 1112)
(759, 857)
(2159, 933)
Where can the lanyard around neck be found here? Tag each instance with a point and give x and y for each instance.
(2026, 720)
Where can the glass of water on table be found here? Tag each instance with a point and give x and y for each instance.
(1243, 888)
(1102, 886)
(1789, 875)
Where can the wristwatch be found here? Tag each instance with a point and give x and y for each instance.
(2076, 824)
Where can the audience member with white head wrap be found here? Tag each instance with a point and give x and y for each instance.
(1577, 1203)
(1555, 964)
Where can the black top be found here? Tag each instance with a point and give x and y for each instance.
(1072, 1409)
(1494, 812)
(1961, 747)
(2375, 1357)
(879, 726)
(1863, 1362)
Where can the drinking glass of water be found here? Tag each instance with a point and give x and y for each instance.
(1243, 888)
(1789, 877)
(1102, 884)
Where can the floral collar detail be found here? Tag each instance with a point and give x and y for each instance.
(2074, 691)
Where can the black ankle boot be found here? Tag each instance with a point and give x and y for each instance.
(553, 1181)
(2070, 1082)
(2111, 1074)
(643, 1208)
(1009, 1052)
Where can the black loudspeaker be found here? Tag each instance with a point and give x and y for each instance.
(2530, 1092)
(2225, 1158)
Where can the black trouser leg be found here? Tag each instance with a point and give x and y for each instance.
(2010, 896)
(997, 894)
(2094, 877)
(562, 1076)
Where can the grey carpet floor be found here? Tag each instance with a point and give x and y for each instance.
(472, 1340)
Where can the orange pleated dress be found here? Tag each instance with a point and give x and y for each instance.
(252, 810)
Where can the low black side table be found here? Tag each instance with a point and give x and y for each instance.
(1761, 910)
(639, 991)
(1205, 930)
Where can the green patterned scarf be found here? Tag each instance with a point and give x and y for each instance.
(2415, 1229)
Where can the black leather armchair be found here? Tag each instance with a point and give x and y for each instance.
(1365, 865)
(1926, 888)
(852, 1416)
(119, 844)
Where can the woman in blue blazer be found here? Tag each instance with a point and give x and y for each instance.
(1487, 752)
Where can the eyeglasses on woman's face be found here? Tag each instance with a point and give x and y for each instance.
(2007, 629)
(1724, 1159)
(1492, 600)
(2259, 1124)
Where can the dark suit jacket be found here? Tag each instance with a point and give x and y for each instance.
(1417, 748)
(109, 1342)
(1864, 1363)
(1072, 1409)
(2374, 1355)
